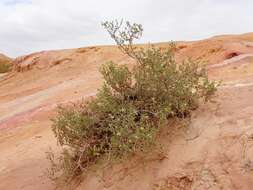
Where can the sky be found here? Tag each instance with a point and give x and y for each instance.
(28, 26)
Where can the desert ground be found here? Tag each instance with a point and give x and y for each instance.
(214, 152)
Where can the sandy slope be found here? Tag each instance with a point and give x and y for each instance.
(214, 153)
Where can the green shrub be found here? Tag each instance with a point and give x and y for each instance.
(5, 67)
(131, 106)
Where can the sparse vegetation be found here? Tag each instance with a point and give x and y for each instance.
(5, 66)
(131, 107)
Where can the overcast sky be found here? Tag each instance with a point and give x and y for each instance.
(34, 25)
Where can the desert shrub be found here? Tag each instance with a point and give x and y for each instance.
(132, 105)
(5, 67)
